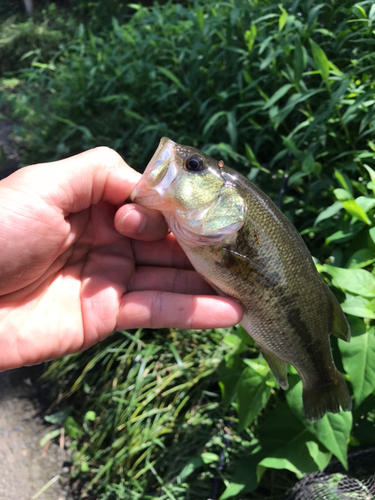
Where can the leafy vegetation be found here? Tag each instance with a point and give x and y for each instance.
(284, 93)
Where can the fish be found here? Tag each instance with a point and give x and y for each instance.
(247, 249)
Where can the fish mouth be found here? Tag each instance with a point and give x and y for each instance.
(160, 172)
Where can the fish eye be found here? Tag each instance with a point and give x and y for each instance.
(194, 164)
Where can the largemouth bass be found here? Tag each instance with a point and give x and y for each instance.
(243, 245)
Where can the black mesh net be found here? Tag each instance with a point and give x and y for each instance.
(335, 483)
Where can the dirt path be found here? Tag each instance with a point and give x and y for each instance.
(25, 467)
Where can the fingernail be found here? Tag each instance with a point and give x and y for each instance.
(133, 223)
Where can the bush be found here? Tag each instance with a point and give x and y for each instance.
(282, 93)
(25, 41)
(214, 78)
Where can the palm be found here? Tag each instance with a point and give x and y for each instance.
(86, 280)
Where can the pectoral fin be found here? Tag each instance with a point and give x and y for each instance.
(259, 272)
(277, 367)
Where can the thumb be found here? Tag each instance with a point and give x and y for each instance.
(73, 184)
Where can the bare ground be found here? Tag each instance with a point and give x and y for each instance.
(25, 467)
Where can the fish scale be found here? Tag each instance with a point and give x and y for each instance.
(243, 245)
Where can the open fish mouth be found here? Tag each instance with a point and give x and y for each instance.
(160, 172)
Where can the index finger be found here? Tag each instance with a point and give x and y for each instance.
(165, 252)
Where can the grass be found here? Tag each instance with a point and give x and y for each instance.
(152, 415)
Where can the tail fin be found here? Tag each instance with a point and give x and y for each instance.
(319, 400)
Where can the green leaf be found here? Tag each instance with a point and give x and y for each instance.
(356, 211)
(284, 437)
(296, 179)
(250, 37)
(332, 431)
(319, 454)
(361, 258)
(365, 203)
(298, 60)
(229, 375)
(277, 95)
(59, 417)
(361, 11)
(321, 60)
(90, 415)
(344, 181)
(299, 455)
(200, 19)
(313, 14)
(372, 175)
(271, 56)
(266, 42)
(358, 306)
(209, 458)
(133, 114)
(278, 116)
(72, 428)
(310, 166)
(328, 212)
(371, 14)
(85, 466)
(233, 489)
(232, 128)
(252, 393)
(49, 436)
(356, 281)
(284, 463)
(213, 119)
(282, 18)
(11, 83)
(342, 194)
(244, 478)
(171, 76)
(343, 234)
(358, 359)
(244, 336)
(191, 465)
(195, 463)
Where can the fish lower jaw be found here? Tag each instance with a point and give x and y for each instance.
(189, 238)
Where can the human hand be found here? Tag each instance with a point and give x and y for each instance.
(77, 264)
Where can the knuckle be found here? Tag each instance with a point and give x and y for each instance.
(180, 281)
(108, 156)
(157, 309)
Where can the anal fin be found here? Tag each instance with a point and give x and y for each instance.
(340, 326)
(278, 367)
